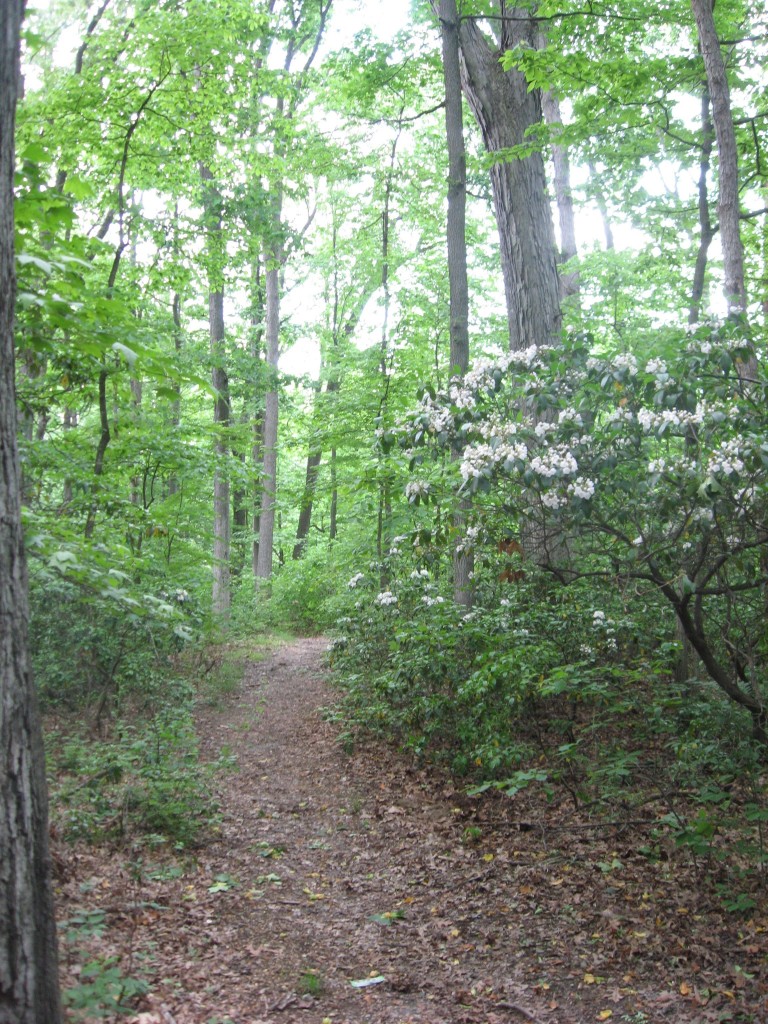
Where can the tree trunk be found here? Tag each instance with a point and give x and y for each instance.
(271, 413)
(257, 317)
(463, 560)
(505, 109)
(569, 283)
(173, 481)
(29, 990)
(221, 591)
(596, 190)
(728, 203)
(333, 518)
(307, 499)
(221, 594)
(706, 231)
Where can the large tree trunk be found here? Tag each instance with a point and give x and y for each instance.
(505, 109)
(463, 560)
(29, 990)
(728, 170)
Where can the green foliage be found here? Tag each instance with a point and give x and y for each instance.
(103, 991)
(304, 592)
(144, 782)
(565, 677)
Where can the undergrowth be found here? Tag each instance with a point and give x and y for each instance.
(547, 686)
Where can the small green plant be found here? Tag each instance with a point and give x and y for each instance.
(103, 991)
(388, 917)
(311, 984)
(223, 883)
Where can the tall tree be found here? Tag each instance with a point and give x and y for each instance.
(506, 110)
(728, 161)
(29, 991)
(221, 599)
(306, 27)
(457, 252)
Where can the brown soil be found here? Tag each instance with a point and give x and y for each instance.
(333, 868)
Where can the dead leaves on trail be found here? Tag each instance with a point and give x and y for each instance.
(363, 890)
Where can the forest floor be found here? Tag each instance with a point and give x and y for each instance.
(358, 888)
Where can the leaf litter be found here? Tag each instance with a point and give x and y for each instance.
(364, 889)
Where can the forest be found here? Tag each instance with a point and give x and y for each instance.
(406, 360)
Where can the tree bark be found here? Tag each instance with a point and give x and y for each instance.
(29, 990)
(728, 202)
(706, 231)
(505, 109)
(221, 594)
(221, 591)
(569, 283)
(271, 410)
(307, 500)
(463, 560)
(173, 481)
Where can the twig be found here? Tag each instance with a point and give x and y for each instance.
(519, 1009)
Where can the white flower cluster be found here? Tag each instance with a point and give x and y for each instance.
(582, 488)
(477, 461)
(481, 459)
(623, 361)
(439, 417)
(626, 361)
(355, 580)
(479, 378)
(495, 427)
(469, 540)
(429, 601)
(416, 489)
(745, 497)
(570, 415)
(621, 414)
(707, 347)
(551, 499)
(385, 598)
(557, 461)
(656, 366)
(462, 396)
(727, 458)
(420, 574)
(650, 420)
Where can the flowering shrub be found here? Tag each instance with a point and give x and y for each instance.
(651, 475)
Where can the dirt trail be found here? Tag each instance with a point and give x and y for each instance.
(331, 869)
